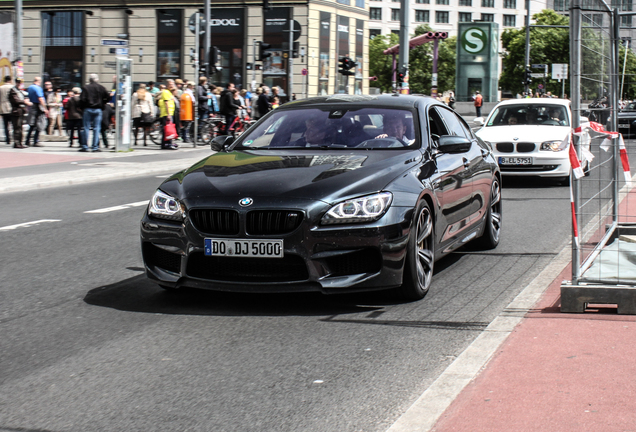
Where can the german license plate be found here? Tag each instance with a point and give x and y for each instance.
(515, 161)
(623, 125)
(244, 248)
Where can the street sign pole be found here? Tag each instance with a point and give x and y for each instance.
(197, 48)
(290, 61)
(254, 67)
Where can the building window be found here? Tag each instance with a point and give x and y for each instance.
(169, 43)
(422, 16)
(344, 2)
(375, 13)
(626, 21)
(509, 20)
(63, 48)
(374, 32)
(488, 3)
(488, 17)
(465, 2)
(465, 17)
(423, 1)
(395, 14)
(360, 3)
(510, 4)
(442, 2)
(561, 5)
(597, 19)
(441, 17)
(626, 5)
(395, 32)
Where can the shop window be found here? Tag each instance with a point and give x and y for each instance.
(169, 43)
(63, 48)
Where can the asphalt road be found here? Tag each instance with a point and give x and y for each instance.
(89, 345)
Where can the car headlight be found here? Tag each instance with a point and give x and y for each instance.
(164, 206)
(551, 146)
(364, 209)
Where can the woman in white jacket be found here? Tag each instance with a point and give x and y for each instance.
(143, 110)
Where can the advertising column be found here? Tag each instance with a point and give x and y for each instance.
(123, 108)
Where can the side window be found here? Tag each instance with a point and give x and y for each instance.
(436, 125)
(454, 125)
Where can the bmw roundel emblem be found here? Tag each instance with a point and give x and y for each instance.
(244, 202)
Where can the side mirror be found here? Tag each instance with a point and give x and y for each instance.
(453, 144)
(221, 142)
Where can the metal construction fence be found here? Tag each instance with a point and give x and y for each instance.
(603, 206)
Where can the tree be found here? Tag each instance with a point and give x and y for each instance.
(547, 46)
(420, 63)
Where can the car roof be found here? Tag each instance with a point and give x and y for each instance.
(380, 101)
(535, 101)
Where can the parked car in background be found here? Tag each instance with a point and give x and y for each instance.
(331, 194)
(527, 137)
(627, 120)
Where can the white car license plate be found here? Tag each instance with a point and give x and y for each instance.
(515, 161)
(244, 248)
(623, 125)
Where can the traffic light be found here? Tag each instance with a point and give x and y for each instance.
(528, 78)
(215, 56)
(400, 77)
(346, 64)
(262, 55)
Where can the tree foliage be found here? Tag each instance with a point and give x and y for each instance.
(420, 63)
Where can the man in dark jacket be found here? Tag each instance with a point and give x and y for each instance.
(263, 102)
(93, 99)
(202, 99)
(228, 106)
(74, 116)
(19, 106)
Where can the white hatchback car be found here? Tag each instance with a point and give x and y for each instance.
(526, 135)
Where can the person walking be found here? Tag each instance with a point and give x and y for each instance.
(54, 103)
(143, 111)
(5, 106)
(93, 100)
(479, 100)
(166, 112)
(74, 117)
(228, 106)
(263, 103)
(19, 106)
(451, 100)
(187, 111)
(38, 110)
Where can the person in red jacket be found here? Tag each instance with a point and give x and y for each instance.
(479, 101)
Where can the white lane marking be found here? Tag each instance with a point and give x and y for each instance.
(28, 224)
(119, 207)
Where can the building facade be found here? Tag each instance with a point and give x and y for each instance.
(66, 41)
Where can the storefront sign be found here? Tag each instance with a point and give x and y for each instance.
(224, 21)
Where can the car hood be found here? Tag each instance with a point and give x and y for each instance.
(523, 133)
(321, 175)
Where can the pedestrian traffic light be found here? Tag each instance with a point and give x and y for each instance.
(400, 77)
(262, 47)
(346, 64)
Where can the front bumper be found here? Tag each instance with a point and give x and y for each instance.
(327, 259)
(544, 164)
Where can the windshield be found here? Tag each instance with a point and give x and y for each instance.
(364, 128)
(529, 114)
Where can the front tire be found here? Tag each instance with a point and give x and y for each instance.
(492, 230)
(420, 256)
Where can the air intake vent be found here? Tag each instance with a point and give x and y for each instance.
(274, 222)
(215, 221)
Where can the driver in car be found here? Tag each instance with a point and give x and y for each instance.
(395, 126)
(318, 133)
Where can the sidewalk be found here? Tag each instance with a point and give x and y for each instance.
(555, 372)
(56, 164)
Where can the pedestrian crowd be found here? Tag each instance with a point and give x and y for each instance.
(173, 106)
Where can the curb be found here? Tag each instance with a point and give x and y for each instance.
(429, 407)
